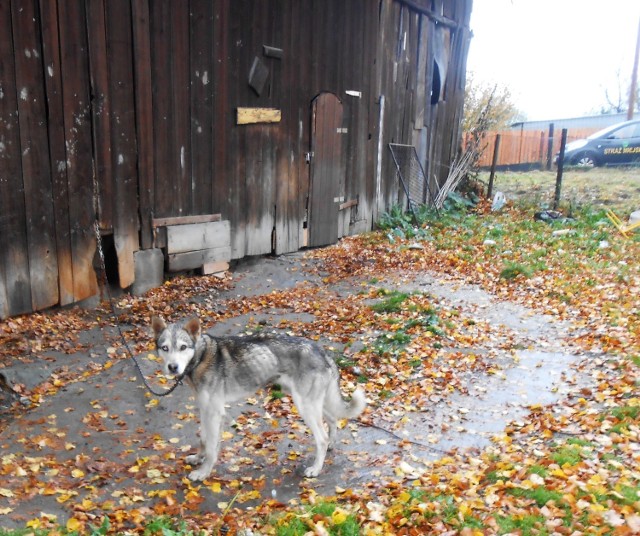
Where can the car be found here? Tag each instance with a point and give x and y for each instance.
(612, 146)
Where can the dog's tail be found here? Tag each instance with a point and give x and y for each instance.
(349, 409)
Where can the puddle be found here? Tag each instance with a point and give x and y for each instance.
(470, 420)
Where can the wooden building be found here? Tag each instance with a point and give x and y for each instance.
(209, 130)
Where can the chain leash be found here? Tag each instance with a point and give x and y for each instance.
(178, 380)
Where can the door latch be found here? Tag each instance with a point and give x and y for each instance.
(308, 156)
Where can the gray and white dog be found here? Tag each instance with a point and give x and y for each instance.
(223, 369)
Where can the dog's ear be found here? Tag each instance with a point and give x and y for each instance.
(158, 325)
(193, 328)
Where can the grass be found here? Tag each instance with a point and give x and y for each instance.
(614, 188)
(392, 303)
(163, 525)
(335, 521)
(525, 525)
(539, 495)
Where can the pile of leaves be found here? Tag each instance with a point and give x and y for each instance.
(570, 468)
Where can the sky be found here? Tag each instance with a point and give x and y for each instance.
(557, 57)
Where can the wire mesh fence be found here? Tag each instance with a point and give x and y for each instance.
(412, 176)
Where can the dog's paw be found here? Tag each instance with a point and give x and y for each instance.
(194, 459)
(198, 474)
(312, 472)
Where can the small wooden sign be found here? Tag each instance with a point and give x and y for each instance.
(248, 116)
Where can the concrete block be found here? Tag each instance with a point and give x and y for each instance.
(149, 270)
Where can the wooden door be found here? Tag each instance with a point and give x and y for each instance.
(326, 190)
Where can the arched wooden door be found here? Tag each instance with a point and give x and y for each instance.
(327, 170)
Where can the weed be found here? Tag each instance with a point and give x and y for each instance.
(626, 412)
(635, 359)
(102, 529)
(539, 470)
(513, 270)
(568, 455)
(540, 495)
(337, 522)
(580, 442)
(167, 527)
(627, 495)
(392, 304)
(522, 524)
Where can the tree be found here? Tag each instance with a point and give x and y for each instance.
(617, 98)
(479, 96)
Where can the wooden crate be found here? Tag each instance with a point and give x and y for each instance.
(199, 244)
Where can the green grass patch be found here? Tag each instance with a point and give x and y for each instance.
(337, 522)
(539, 495)
(391, 304)
(526, 525)
(512, 270)
(539, 470)
(625, 412)
(568, 455)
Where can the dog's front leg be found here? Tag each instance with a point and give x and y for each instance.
(211, 424)
(198, 458)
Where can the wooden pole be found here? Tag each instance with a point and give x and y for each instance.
(634, 78)
(550, 147)
(494, 162)
(541, 150)
(563, 143)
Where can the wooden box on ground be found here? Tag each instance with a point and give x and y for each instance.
(199, 245)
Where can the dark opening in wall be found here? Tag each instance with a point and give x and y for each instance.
(110, 261)
(435, 84)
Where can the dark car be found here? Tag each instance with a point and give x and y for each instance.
(613, 146)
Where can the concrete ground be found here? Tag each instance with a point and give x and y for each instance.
(101, 443)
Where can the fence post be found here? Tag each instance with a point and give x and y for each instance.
(541, 151)
(550, 147)
(563, 142)
(494, 162)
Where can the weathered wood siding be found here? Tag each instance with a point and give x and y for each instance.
(137, 100)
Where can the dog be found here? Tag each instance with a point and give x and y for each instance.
(224, 369)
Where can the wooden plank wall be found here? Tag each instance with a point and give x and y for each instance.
(524, 146)
(142, 96)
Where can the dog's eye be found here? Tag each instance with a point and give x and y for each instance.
(164, 348)
(183, 347)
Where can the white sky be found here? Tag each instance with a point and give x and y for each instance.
(556, 56)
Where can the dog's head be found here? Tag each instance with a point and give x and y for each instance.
(175, 343)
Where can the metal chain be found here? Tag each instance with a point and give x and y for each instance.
(178, 380)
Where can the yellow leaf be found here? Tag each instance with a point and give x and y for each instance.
(339, 516)
(64, 497)
(5, 511)
(4, 492)
(73, 524)
(34, 523)
(77, 473)
(216, 487)
(154, 473)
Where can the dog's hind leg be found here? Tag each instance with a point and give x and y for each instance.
(332, 424)
(312, 416)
